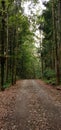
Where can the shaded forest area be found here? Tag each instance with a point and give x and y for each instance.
(19, 58)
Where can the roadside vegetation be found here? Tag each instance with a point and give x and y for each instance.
(50, 48)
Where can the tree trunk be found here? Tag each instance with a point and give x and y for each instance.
(55, 42)
(7, 52)
(59, 18)
(2, 44)
(13, 57)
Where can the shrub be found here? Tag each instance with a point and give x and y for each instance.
(50, 76)
(49, 73)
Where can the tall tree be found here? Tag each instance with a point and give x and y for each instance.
(56, 39)
(2, 42)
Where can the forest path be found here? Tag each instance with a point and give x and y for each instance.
(31, 106)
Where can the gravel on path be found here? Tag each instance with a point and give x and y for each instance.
(30, 106)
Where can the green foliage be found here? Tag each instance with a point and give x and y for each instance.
(51, 81)
(28, 64)
(49, 73)
(6, 85)
(50, 76)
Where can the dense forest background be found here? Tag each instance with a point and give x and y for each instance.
(19, 57)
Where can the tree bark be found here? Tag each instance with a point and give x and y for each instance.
(55, 42)
(7, 51)
(2, 44)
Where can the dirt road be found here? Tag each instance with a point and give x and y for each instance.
(35, 108)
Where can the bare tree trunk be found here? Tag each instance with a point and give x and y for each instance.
(13, 57)
(15, 72)
(55, 42)
(2, 44)
(59, 24)
(7, 51)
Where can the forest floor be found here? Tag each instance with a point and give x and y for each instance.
(30, 105)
